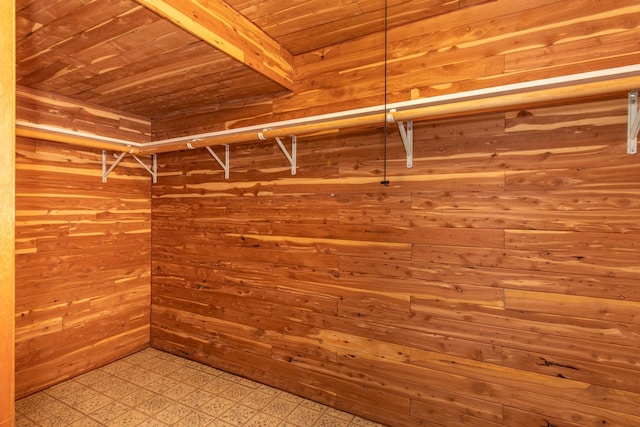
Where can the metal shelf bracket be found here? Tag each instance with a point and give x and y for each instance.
(406, 134)
(633, 123)
(224, 165)
(407, 140)
(290, 156)
(153, 170)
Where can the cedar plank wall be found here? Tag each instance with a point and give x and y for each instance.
(82, 247)
(484, 45)
(495, 283)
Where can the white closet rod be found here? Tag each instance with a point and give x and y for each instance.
(551, 91)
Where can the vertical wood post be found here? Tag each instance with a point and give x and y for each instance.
(7, 212)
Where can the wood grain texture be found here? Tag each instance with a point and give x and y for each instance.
(82, 263)
(44, 108)
(226, 29)
(494, 283)
(470, 45)
(7, 214)
(122, 55)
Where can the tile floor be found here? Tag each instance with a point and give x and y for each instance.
(154, 388)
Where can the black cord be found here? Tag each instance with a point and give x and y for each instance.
(385, 181)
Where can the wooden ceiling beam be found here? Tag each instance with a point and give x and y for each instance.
(218, 24)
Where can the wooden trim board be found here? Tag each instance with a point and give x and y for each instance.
(7, 213)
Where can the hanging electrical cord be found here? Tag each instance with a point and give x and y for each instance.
(385, 181)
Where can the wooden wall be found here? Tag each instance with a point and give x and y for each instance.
(482, 44)
(82, 248)
(494, 283)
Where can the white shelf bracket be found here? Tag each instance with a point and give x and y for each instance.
(406, 134)
(224, 165)
(290, 156)
(633, 123)
(407, 140)
(105, 171)
(153, 170)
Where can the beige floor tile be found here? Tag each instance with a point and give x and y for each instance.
(81, 394)
(109, 383)
(199, 378)
(182, 372)
(40, 413)
(86, 422)
(263, 420)
(93, 404)
(110, 412)
(163, 366)
(156, 389)
(219, 423)
(145, 378)
(31, 403)
(197, 398)
(217, 385)
(116, 367)
(152, 422)
(238, 415)
(326, 420)
(64, 417)
(23, 421)
(258, 399)
(303, 417)
(279, 408)
(216, 406)
(132, 371)
(63, 389)
(235, 392)
(161, 385)
(197, 419)
(93, 377)
(130, 418)
(154, 405)
(178, 391)
(173, 413)
(124, 388)
(137, 397)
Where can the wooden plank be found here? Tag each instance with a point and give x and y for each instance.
(568, 262)
(227, 30)
(46, 109)
(50, 371)
(540, 393)
(518, 418)
(579, 178)
(567, 367)
(570, 338)
(83, 277)
(322, 246)
(587, 285)
(577, 306)
(7, 214)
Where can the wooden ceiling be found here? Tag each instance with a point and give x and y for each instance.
(156, 58)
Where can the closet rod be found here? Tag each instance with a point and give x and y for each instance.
(465, 107)
(580, 87)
